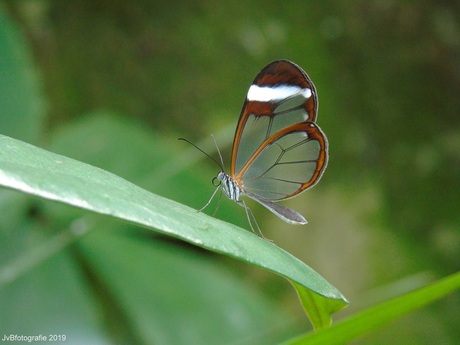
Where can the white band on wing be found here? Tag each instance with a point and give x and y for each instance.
(276, 93)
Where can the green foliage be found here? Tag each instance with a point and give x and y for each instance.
(385, 312)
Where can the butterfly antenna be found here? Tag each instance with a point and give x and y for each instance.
(219, 164)
(218, 151)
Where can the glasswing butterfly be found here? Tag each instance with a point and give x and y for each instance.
(278, 150)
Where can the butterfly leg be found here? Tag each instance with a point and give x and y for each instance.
(210, 199)
(250, 215)
(218, 204)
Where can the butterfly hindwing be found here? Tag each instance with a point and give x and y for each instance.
(287, 163)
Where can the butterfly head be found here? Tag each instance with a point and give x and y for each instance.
(220, 177)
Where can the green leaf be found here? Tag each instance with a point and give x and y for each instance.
(372, 318)
(35, 171)
(317, 308)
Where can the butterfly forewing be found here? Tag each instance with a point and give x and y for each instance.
(281, 95)
(278, 150)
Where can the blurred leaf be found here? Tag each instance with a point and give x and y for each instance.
(51, 299)
(111, 142)
(117, 285)
(170, 294)
(21, 102)
(35, 171)
(372, 318)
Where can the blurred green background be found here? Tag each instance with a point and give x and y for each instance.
(114, 83)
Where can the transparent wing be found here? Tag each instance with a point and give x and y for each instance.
(285, 164)
(281, 95)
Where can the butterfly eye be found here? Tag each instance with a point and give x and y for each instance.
(216, 182)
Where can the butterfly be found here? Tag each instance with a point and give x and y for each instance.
(278, 150)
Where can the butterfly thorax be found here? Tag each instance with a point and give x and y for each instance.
(229, 186)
